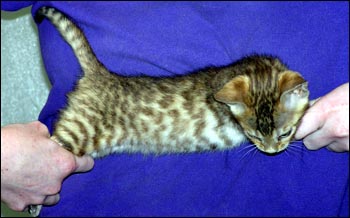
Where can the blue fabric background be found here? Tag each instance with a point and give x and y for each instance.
(169, 38)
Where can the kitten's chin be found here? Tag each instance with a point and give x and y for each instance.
(272, 150)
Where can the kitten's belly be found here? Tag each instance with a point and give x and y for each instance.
(171, 130)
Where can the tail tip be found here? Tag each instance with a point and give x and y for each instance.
(40, 14)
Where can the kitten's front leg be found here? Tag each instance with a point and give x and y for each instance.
(34, 210)
(312, 102)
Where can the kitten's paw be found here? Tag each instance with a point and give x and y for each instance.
(34, 210)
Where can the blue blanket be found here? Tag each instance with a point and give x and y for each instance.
(172, 38)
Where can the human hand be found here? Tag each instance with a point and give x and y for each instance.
(33, 166)
(326, 122)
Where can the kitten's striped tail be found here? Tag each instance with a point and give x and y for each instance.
(74, 36)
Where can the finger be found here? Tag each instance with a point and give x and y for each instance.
(318, 139)
(317, 113)
(340, 145)
(52, 199)
(311, 121)
(84, 163)
(40, 127)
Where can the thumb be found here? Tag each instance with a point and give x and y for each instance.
(84, 163)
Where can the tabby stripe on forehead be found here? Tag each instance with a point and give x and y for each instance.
(265, 122)
(253, 84)
(273, 80)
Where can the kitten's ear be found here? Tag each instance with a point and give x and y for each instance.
(293, 89)
(234, 93)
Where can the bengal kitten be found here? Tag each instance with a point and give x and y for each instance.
(217, 108)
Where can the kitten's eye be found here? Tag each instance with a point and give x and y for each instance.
(254, 137)
(285, 135)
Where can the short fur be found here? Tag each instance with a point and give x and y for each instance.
(217, 108)
(205, 110)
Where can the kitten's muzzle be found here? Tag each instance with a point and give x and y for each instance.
(272, 149)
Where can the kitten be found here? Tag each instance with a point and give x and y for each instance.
(217, 108)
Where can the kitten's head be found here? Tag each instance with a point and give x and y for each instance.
(268, 104)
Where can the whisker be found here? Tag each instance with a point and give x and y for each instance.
(246, 147)
(249, 151)
(295, 154)
(286, 152)
(297, 141)
(292, 153)
(256, 151)
(296, 151)
(296, 146)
